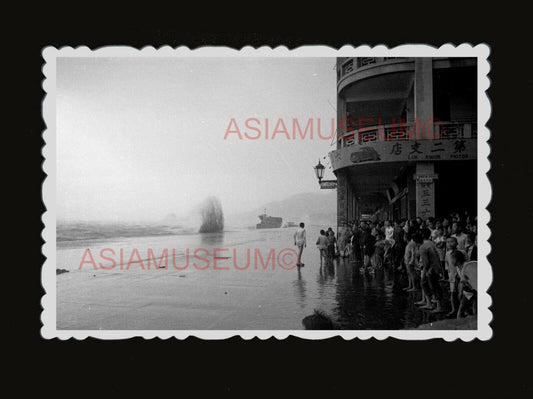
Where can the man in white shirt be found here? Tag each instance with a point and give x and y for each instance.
(300, 241)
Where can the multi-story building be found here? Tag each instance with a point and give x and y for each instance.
(407, 137)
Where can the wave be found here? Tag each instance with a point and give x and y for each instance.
(86, 231)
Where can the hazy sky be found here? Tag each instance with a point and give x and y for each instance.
(138, 138)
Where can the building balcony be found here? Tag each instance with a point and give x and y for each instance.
(405, 132)
(350, 70)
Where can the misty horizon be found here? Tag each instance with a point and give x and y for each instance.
(192, 214)
(140, 138)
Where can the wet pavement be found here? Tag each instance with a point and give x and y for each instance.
(229, 299)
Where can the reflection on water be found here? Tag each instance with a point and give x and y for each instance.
(299, 286)
(362, 301)
(353, 299)
(212, 239)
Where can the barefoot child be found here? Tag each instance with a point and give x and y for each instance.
(411, 261)
(450, 261)
(429, 258)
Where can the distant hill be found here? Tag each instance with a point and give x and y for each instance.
(170, 220)
(311, 208)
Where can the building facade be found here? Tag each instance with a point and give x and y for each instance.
(407, 137)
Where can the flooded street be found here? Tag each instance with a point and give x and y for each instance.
(232, 297)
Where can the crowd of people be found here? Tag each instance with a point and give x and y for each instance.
(438, 256)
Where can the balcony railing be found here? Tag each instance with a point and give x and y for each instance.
(404, 132)
(350, 64)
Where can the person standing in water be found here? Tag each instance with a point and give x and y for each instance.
(300, 241)
(331, 241)
(322, 245)
(429, 259)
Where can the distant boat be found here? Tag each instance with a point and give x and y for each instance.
(269, 222)
(291, 224)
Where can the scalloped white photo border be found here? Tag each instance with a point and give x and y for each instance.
(48, 273)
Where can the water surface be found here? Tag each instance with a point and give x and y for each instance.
(184, 297)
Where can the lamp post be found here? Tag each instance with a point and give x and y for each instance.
(319, 171)
(324, 184)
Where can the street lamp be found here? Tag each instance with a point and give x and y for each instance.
(319, 171)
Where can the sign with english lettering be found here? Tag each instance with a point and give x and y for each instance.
(404, 150)
(328, 184)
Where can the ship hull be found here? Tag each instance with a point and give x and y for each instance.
(270, 223)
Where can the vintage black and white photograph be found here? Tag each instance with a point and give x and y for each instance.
(266, 192)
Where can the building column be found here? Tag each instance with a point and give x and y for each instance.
(348, 202)
(425, 189)
(341, 119)
(424, 174)
(423, 89)
(342, 203)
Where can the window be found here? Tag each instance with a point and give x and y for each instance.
(347, 67)
(364, 61)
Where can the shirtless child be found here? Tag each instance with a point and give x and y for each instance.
(451, 267)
